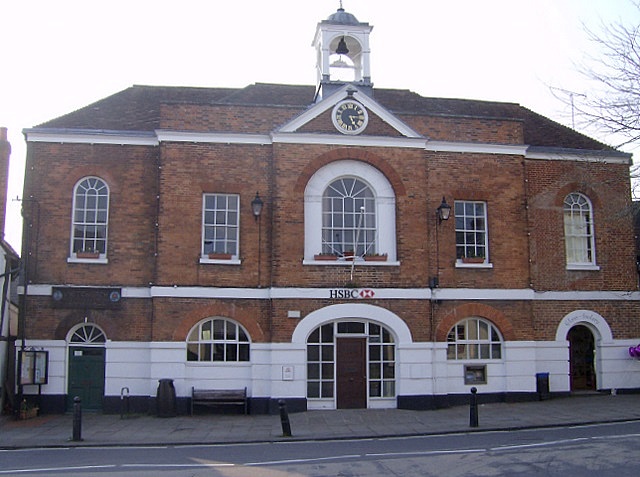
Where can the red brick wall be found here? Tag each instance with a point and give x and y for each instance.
(130, 172)
(523, 197)
(608, 188)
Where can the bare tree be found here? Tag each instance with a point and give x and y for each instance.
(612, 107)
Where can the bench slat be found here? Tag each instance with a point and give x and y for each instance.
(212, 397)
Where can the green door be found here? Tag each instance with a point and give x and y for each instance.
(86, 376)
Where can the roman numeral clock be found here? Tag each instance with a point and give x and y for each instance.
(350, 117)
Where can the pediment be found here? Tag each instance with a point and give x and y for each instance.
(317, 118)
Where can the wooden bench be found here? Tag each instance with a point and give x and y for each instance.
(219, 397)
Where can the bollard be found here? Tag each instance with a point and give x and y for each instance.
(77, 419)
(284, 418)
(473, 411)
(124, 402)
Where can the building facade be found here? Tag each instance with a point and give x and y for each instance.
(337, 246)
(9, 268)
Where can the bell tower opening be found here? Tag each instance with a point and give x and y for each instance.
(342, 53)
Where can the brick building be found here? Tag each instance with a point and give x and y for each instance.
(336, 245)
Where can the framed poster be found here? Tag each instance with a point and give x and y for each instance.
(34, 367)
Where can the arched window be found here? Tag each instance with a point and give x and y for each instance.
(217, 339)
(348, 218)
(349, 205)
(578, 230)
(474, 338)
(90, 218)
(87, 335)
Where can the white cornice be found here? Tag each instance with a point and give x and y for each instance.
(578, 156)
(217, 138)
(91, 137)
(444, 294)
(287, 135)
(477, 148)
(346, 140)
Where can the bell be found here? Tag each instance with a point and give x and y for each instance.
(342, 47)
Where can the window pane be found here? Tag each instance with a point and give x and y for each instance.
(231, 331)
(375, 371)
(375, 389)
(389, 389)
(232, 352)
(327, 389)
(313, 353)
(243, 352)
(327, 371)
(389, 371)
(313, 371)
(313, 389)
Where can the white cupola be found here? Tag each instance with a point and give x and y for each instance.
(342, 53)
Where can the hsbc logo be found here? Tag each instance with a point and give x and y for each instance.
(351, 293)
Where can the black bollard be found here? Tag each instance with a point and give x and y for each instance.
(473, 411)
(124, 402)
(77, 419)
(284, 418)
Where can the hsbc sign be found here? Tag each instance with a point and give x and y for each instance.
(351, 293)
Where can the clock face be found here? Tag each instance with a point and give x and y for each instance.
(350, 117)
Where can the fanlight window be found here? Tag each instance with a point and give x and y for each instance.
(474, 338)
(218, 339)
(88, 335)
(348, 218)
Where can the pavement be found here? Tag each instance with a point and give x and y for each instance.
(113, 430)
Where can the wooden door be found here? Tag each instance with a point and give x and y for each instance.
(351, 374)
(86, 377)
(581, 357)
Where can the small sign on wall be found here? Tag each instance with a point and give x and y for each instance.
(287, 373)
(475, 374)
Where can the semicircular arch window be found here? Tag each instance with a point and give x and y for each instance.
(88, 335)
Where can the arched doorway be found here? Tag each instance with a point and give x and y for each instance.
(582, 358)
(86, 366)
(350, 364)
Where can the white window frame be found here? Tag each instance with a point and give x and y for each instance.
(579, 232)
(385, 204)
(460, 262)
(84, 255)
(198, 337)
(234, 258)
(381, 355)
(349, 218)
(472, 340)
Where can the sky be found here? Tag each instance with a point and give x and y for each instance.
(58, 56)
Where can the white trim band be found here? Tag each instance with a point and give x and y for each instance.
(476, 294)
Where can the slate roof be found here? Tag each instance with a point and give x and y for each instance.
(138, 109)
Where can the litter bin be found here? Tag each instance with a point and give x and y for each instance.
(166, 399)
(542, 386)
